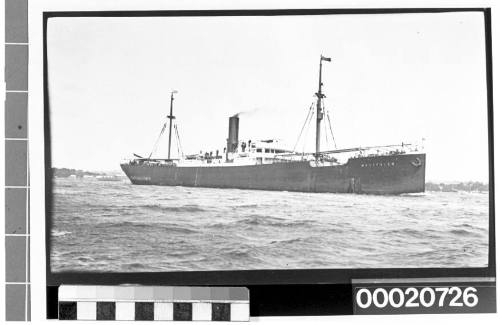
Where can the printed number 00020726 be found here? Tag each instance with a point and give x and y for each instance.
(415, 297)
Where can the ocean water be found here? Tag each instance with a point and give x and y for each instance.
(119, 227)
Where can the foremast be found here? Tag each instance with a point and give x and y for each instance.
(319, 107)
(170, 117)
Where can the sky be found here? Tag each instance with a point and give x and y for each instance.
(393, 78)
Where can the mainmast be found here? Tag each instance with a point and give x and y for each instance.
(319, 106)
(171, 117)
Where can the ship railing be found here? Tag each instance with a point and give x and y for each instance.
(152, 161)
(292, 157)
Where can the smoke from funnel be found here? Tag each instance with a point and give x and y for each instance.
(247, 112)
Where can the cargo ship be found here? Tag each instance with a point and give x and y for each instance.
(267, 165)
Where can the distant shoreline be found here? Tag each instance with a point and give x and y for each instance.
(68, 172)
(457, 187)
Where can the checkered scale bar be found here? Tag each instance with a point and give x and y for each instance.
(154, 303)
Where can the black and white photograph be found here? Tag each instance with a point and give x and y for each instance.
(253, 142)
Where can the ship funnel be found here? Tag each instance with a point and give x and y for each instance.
(232, 138)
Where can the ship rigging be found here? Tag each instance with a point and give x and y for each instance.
(232, 148)
(170, 117)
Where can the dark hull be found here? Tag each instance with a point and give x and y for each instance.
(392, 174)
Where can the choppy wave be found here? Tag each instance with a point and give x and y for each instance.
(464, 232)
(264, 220)
(116, 226)
(163, 208)
(287, 241)
(56, 233)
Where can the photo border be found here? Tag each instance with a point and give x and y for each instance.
(264, 280)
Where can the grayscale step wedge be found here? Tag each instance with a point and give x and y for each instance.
(129, 302)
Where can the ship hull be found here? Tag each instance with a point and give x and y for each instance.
(390, 174)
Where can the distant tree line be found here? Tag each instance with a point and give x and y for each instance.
(67, 172)
(455, 187)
